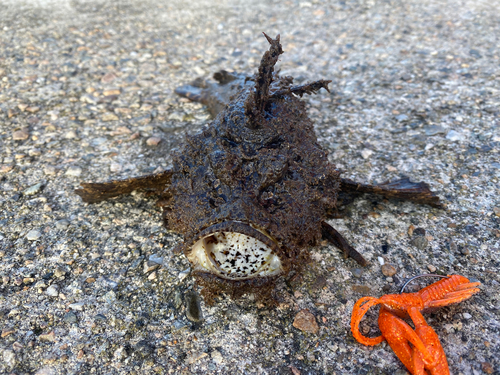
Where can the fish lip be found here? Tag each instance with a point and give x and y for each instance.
(244, 229)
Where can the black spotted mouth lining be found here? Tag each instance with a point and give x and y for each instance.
(236, 251)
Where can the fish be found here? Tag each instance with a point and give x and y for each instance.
(251, 193)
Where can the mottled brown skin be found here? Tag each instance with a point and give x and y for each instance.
(257, 163)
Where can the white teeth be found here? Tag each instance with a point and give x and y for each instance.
(233, 255)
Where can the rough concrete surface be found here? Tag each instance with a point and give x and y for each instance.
(86, 94)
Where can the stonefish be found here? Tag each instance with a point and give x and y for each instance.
(251, 193)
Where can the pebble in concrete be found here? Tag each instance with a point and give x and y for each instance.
(33, 235)
(32, 190)
(306, 322)
(74, 171)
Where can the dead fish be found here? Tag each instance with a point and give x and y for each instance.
(251, 193)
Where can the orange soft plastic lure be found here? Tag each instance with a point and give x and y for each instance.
(419, 349)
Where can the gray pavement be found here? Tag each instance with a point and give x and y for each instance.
(86, 93)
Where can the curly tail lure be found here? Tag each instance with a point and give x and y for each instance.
(419, 349)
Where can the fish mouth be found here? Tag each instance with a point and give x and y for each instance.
(234, 250)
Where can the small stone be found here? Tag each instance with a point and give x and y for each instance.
(453, 246)
(62, 224)
(306, 322)
(434, 130)
(70, 317)
(7, 331)
(100, 318)
(152, 276)
(33, 109)
(361, 289)
(144, 349)
(177, 299)
(47, 370)
(475, 53)
(487, 367)
(150, 266)
(464, 251)
(98, 141)
(121, 130)
(420, 242)
(49, 170)
(217, 357)
(115, 167)
(77, 306)
(471, 229)
(123, 111)
(34, 152)
(184, 274)
(110, 297)
(195, 357)
(74, 171)
(52, 291)
(156, 258)
(40, 284)
(357, 272)
(419, 232)
(89, 99)
(9, 358)
(178, 324)
(381, 260)
(33, 235)
(390, 168)
(20, 135)
(366, 153)
(496, 211)
(32, 190)
(454, 136)
(47, 337)
(70, 135)
(120, 353)
(110, 117)
(153, 141)
(388, 270)
(431, 268)
(402, 118)
(467, 316)
(108, 77)
(59, 272)
(111, 92)
(6, 168)
(193, 307)
(17, 346)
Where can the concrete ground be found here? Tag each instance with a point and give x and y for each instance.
(87, 94)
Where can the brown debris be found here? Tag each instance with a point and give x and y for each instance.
(306, 322)
(48, 337)
(388, 270)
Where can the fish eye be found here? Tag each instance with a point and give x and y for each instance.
(235, 251)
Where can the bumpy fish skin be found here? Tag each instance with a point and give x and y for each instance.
(275, 177)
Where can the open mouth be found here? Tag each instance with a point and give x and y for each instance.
(236, 251)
